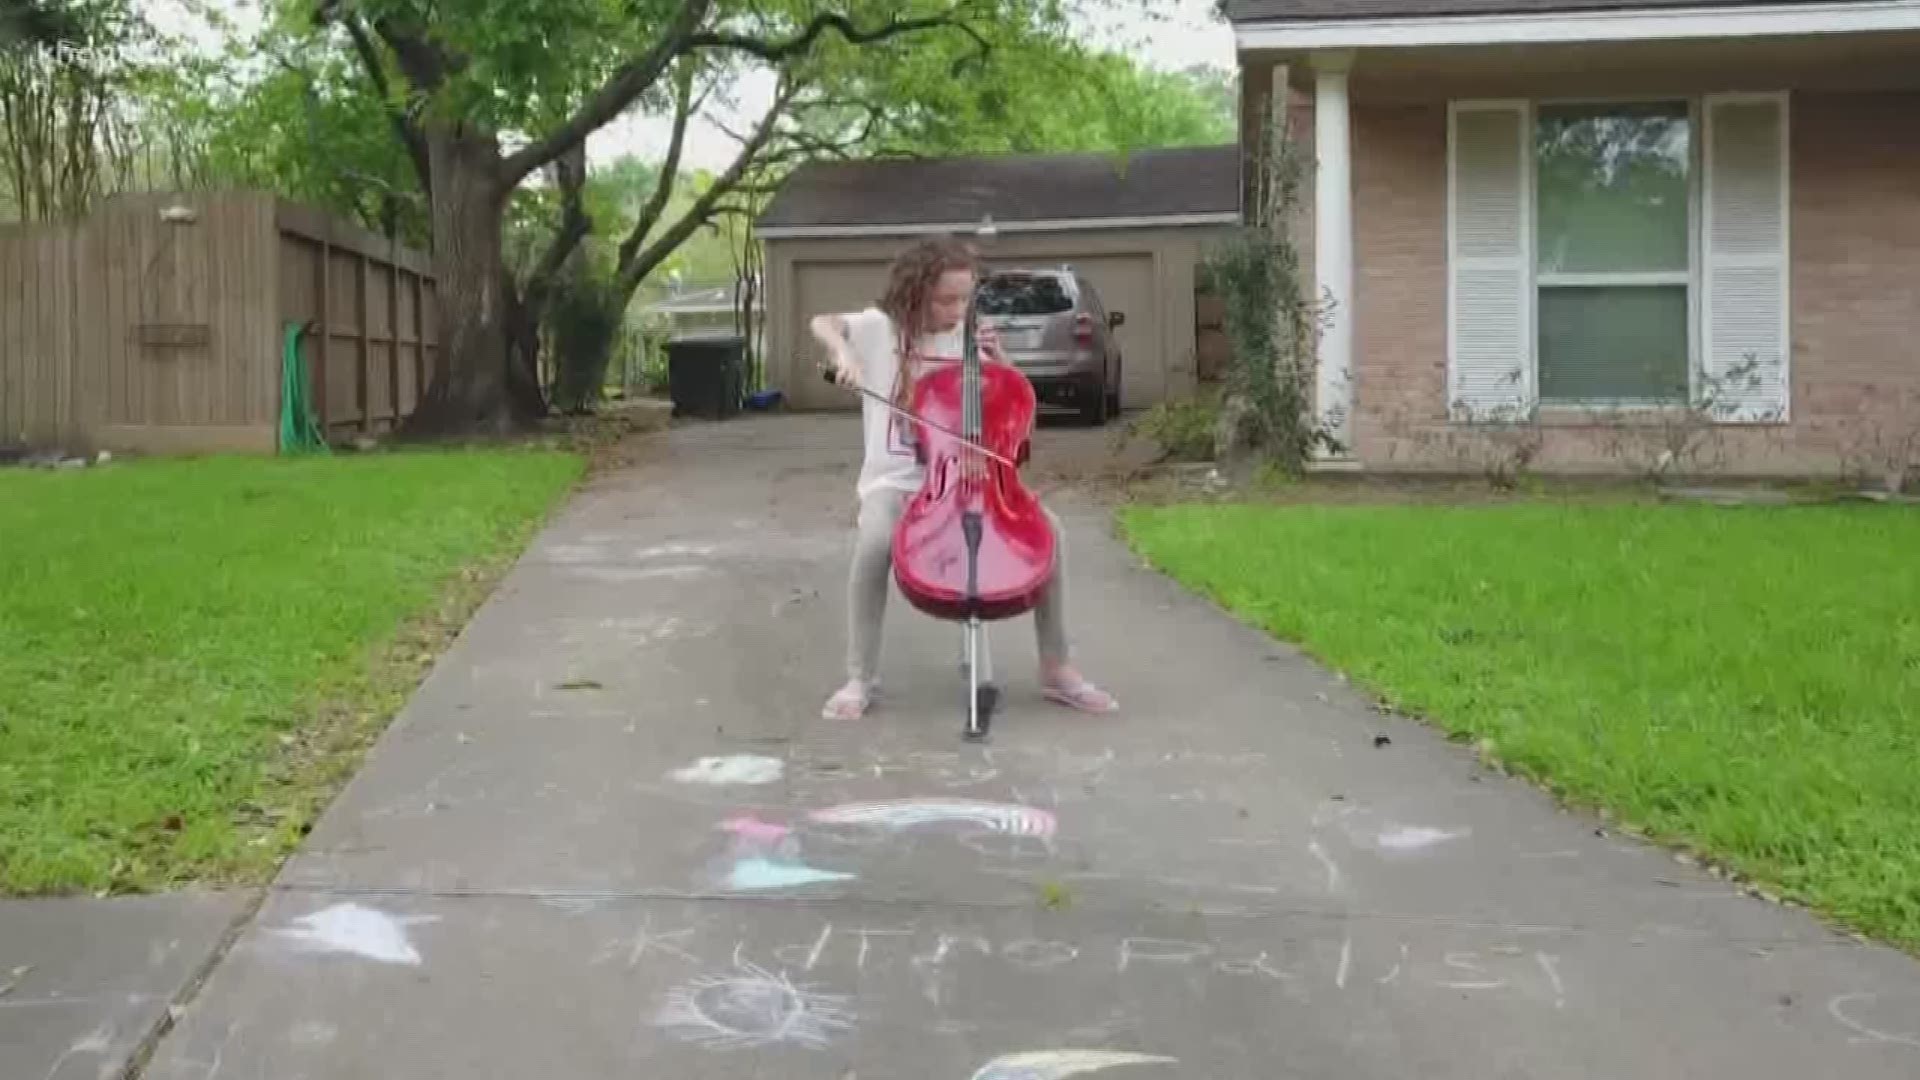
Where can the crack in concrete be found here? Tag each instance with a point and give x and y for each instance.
(1328, 913)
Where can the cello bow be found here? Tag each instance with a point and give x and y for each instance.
(909, 414)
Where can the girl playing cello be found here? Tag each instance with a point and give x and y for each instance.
(882, 348)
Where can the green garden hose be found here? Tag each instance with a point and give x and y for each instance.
(299, 431)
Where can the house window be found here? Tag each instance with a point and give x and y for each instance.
(1619, 253)
(1613, 244)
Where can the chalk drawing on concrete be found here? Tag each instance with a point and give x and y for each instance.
(1008, 818)
(96, 1043)
(679, 548)
(1006, 848)
(645, 940)
(1056, 1064)
(764, 856)
(617, 575)
(358, 931)
(1417, 837)
(748, 828)
(731, 769)
(313, 1033)
(1840, 1008)
(1551, 965)
(753, 1007)
(756, 874)
(1326, 861)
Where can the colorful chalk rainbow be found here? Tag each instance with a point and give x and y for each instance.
(1007, 818)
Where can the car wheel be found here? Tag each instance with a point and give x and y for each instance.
(1093, 403)
(1113, 395)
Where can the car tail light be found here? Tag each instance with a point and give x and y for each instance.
(1083, 328)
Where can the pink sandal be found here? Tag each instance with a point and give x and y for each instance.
(850, 702)
(1077, 693)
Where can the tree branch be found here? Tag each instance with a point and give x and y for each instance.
(635, 269)
(777, 51)
(801, 145)
(755, 189)
(410, 136)
(420, 60)
(857, 130)
(608, 102)
(575, 224)
(669, 170)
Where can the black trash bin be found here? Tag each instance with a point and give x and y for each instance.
(706, 374)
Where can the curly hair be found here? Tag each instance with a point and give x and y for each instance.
(910, 284)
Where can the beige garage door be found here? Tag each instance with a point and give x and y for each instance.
(820, 287)
(1125, 283)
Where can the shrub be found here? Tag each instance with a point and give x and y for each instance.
(1183, 428)
(1272, 324)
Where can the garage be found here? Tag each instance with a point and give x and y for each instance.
(1134, 226)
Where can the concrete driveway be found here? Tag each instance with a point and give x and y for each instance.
(611, 837)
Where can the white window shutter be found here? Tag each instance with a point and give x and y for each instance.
(1744, 370)
(1490, 373)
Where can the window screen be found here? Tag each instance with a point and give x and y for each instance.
(1613, 250)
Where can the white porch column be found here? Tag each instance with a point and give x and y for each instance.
(1333, 244)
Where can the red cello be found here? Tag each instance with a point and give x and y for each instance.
(973, 545)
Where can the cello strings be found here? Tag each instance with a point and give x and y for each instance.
(971, 404)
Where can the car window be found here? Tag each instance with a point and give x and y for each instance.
(1024, 294)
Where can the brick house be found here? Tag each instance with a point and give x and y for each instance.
(1607, 231)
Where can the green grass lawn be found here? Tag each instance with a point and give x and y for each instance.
(1744, 682)
(191, 651)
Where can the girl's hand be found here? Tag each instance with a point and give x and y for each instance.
(989, 340)
(831, 331)
(845, 371)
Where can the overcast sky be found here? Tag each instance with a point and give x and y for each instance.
(1185, 34)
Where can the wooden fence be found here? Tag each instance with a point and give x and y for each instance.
(38, 321)
(158, 324)
(374, 351)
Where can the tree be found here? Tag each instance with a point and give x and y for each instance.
(72, 82)
(1219, 90)
(292, 113)
(707, 255)
(782, 137)
(485, 93)
(596, 302)
(893, 97)
(314, 128)
(38, 23)
(112, 104)
(1037, 91)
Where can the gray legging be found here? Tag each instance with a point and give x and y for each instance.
(870, 580)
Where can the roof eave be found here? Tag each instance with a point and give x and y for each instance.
(923, 228)
(1577, 27)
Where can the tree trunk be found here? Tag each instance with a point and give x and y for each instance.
(523, 352)
(551, 276)
(476, 393)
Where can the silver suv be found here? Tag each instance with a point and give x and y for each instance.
(1055, 329)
